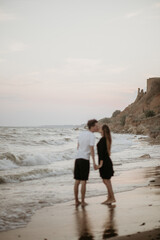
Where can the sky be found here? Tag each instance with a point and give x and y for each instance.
(67, 61)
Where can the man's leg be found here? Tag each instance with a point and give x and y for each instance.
(76, 186)
(83, 192)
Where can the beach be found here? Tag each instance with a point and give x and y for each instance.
(36, 186)
(135, 215)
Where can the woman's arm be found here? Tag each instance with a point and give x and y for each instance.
(100, 165)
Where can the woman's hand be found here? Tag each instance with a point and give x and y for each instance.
(98, 166)
(95, 167)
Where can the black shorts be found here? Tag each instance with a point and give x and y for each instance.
(81, 169)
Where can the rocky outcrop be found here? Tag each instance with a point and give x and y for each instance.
(142, 116)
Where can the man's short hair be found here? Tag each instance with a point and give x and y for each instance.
(91, 123)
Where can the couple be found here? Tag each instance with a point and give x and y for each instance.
(85, 148)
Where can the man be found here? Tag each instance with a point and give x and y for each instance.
(85, 148)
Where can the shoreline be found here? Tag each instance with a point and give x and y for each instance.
(64, 221)
(115, 221)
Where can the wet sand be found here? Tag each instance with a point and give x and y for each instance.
(135, 216)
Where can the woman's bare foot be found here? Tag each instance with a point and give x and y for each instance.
(83, 204)
(77, 203)
(106, 201)
(111, 200)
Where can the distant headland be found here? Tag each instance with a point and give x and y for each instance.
(142, 116)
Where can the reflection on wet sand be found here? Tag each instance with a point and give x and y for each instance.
(110, 226)
(83, 224)
(155, 174)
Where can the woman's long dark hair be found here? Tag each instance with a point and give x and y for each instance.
(107, 135)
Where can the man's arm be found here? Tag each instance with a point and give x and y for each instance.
(93, 155)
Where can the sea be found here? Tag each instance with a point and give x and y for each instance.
(36, 168)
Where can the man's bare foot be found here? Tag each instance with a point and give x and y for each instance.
(83, 204)
(77, 203)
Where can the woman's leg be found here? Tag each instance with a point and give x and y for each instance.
(109, 197)
(108, 184)
(107, 190)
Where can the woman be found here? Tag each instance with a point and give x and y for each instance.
(105, 163)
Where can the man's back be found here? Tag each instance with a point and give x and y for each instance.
(85, 140)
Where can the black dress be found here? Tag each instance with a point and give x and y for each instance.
(106, 171)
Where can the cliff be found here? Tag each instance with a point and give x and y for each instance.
(142, 116)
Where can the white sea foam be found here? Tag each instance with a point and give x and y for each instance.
(7, 164)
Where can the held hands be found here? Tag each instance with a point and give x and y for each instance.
(96, 167)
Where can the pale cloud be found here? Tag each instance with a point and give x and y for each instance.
(86, 65)
(18, 47)
(4, 16)
(51, 70)
(34, 74)
(157, 5)
(144, 10)
(81, 65)
(115, 69)
(2, 60)
(133, 14)
(84, 61)
(75, 67)
(153, 17)
(21, 80)
(75, 72)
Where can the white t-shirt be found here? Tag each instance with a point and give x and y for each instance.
(85, 140)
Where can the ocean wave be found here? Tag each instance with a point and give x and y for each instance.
(51, 142)
(11, 157)
(38, 159)
(26, 176)
(55, 142)
(9, 160)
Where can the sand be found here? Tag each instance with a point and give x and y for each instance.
(136, 215)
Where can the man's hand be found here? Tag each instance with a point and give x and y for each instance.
(95, 167)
